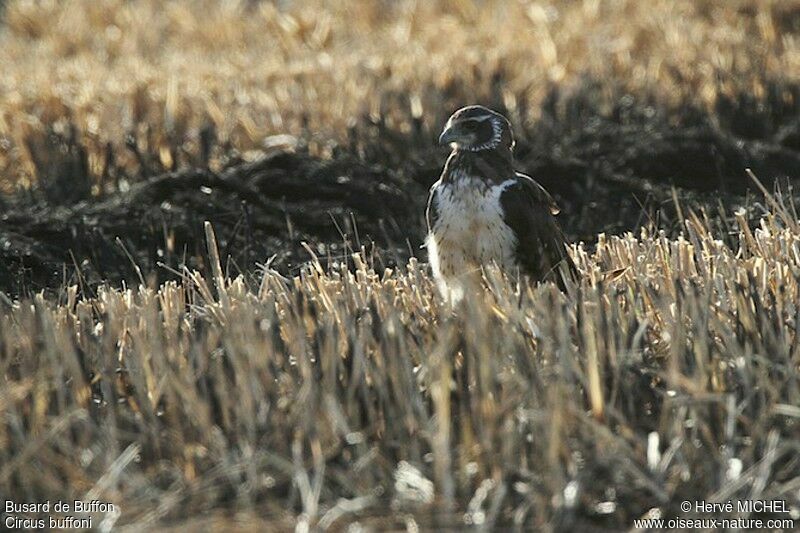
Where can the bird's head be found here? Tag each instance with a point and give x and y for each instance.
(476, 128)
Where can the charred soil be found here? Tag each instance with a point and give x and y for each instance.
(611, 168)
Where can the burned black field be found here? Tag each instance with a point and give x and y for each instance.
(216, 312)
(612, 168)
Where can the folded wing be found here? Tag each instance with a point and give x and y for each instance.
(530, 211)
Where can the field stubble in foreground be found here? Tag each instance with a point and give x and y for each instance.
(669, 374)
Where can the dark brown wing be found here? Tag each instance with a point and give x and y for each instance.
(529, 211)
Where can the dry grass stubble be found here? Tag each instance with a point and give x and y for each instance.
(335, 397)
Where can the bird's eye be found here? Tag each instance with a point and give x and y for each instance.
(470, 125)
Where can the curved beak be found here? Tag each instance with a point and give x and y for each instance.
(448, 135)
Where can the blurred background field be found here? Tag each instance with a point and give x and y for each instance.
(162, 71)
(322, 117)
(613, 103)
(238, 386)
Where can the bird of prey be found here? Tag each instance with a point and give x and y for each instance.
(481, 211)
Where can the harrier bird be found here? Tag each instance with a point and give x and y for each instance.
(481, 211)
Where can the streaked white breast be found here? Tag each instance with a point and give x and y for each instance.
(469, 232)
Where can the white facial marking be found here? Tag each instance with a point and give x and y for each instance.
(497, 135)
